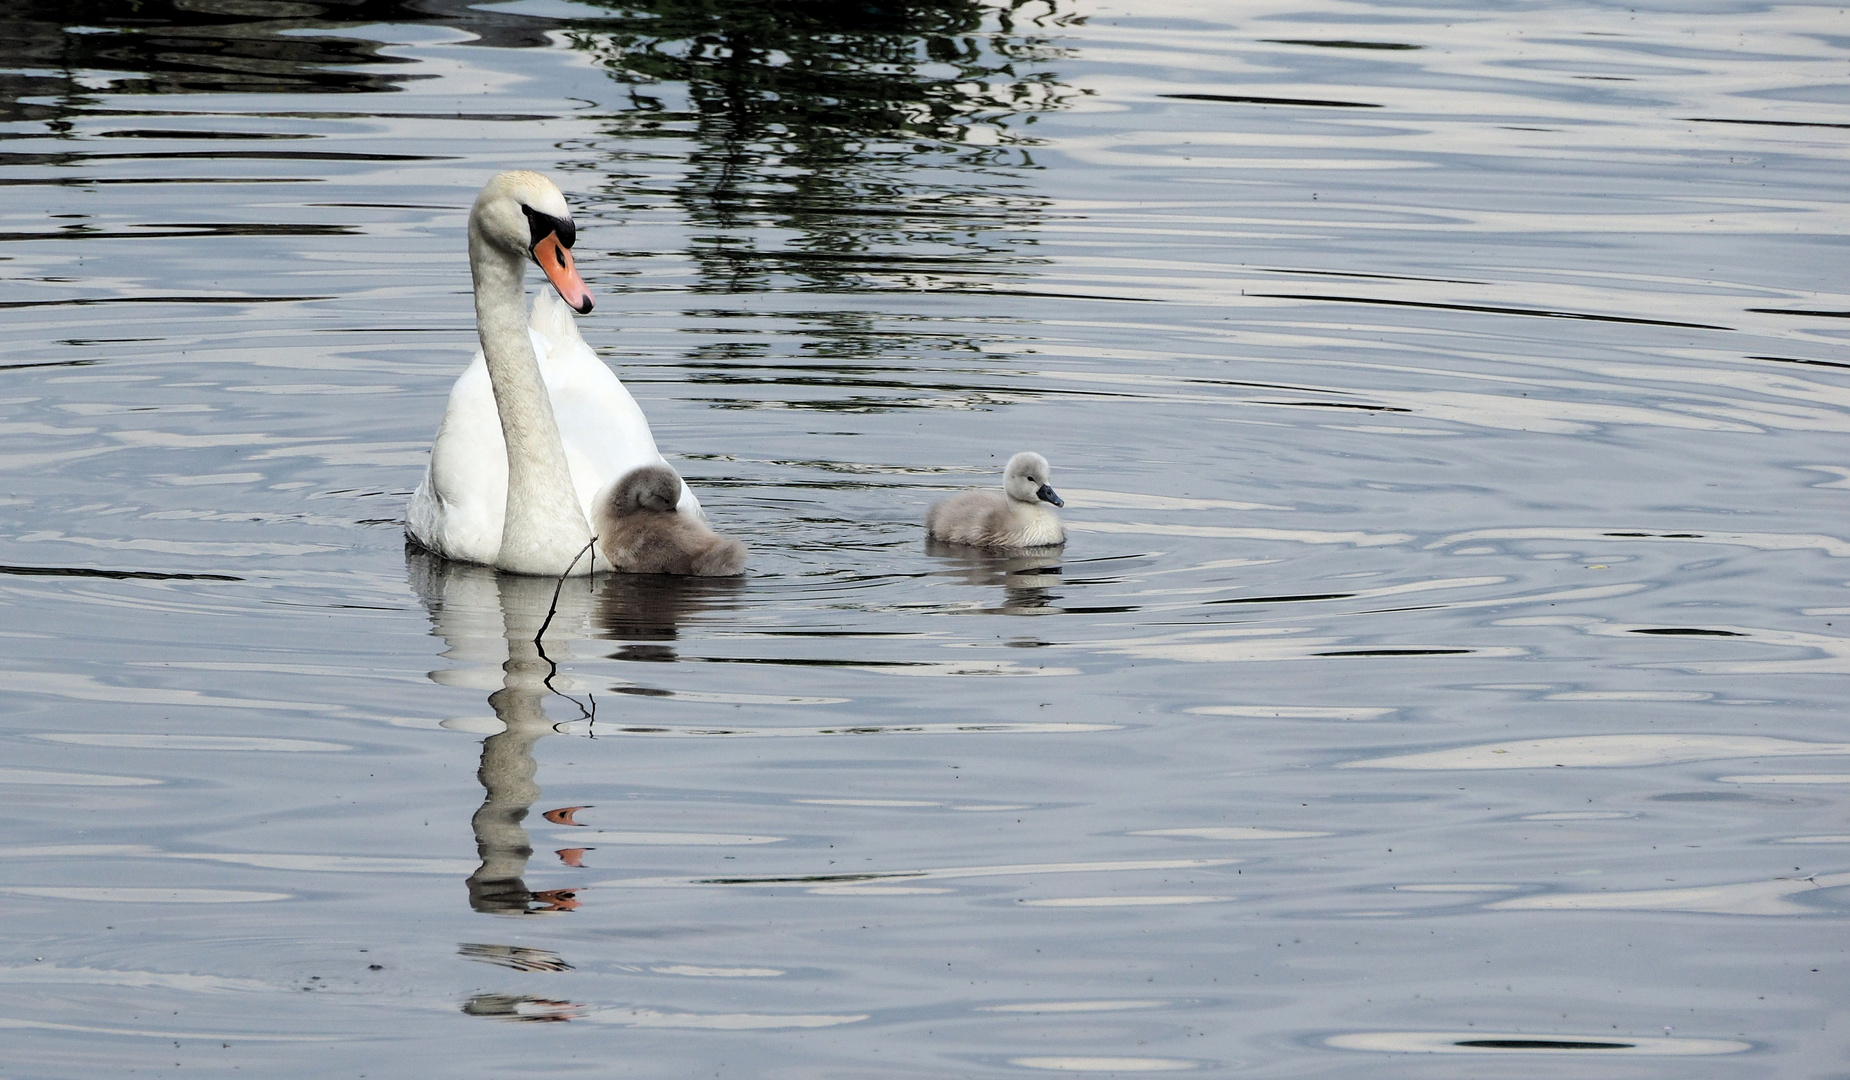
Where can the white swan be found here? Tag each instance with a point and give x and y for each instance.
(537, 427)
(1010, 518)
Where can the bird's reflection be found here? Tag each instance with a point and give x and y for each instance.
(521, 1008)
(518, 957)
(491, 625)
(1026, 577)
(644, 612)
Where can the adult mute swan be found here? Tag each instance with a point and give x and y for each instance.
(1010, 518)
(537, 427)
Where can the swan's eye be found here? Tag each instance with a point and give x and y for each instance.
(540, 225)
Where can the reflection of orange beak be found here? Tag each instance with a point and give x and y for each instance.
(556, 260)
(563, 815)
(557, 900)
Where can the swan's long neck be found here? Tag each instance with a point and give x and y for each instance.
(544, 529)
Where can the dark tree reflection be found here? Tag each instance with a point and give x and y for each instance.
(840, 145)
(63, 51)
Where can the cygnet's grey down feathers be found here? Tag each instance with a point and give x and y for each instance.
(1018, 516)
(639, 531)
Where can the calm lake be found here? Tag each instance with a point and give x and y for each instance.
(1441, 678)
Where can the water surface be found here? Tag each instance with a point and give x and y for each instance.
(1442, 673)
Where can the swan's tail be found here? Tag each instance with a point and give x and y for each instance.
(552, 319)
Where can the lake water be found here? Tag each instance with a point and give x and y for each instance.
(1442, 676)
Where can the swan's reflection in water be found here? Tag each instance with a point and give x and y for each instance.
(645, 612)
(1026, 577)
(524, 1008)
(491, 624)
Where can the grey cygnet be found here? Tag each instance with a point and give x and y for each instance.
(1019, 516)
(639, 531)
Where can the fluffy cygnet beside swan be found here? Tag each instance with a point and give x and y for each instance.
(1018, 516)
(640, 532)
(537, 427)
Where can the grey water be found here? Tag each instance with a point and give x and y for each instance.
(1442, 675)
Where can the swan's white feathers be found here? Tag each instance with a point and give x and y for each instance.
(458, 510)
(497, 209)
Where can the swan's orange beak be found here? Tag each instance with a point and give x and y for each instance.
(556, 260)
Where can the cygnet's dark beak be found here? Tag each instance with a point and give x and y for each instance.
(1046, 494)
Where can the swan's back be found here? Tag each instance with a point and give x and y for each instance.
(606, 435)
(970, 517)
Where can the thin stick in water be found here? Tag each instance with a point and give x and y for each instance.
(539, 645)
(557, 589)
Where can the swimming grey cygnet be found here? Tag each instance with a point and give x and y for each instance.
(1020, 515)
(640, 532)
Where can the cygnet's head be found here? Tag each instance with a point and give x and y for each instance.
(523, 214)
(1026, 480)
(650, 488)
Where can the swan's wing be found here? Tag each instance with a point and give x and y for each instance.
(605, 431)
(970, 517)
(460, 507)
